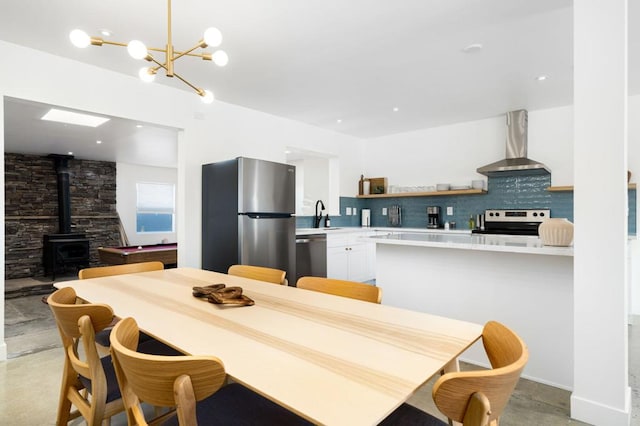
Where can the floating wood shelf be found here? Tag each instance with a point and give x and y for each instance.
(570, 188)
(427, 194)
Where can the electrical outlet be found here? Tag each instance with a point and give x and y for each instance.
(348, 213)
(449, 211)
(384, 211)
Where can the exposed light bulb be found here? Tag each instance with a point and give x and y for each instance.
(79, 38)
(207, 98)
(137, 49)
(146, 75)
(213, 37)
(220, 58)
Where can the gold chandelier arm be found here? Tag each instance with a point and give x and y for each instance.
(95, 41)
(188, 52)
(157, 49)
(198, 90)
(205, 56)
(99, 42)
(113, 43)
(152, 59)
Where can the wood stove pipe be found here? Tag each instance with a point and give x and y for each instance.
(61, 163)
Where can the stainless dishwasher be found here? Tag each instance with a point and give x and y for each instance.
(311, 255)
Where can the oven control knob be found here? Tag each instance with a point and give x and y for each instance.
(541, 213)
(497, 213)
(535, 214)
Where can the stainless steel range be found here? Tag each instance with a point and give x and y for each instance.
(513, 222)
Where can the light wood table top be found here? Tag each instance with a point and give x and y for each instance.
(333, 360)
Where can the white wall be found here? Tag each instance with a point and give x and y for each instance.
(127, 176)
(220, 131)
(451, 154)
(447, 154)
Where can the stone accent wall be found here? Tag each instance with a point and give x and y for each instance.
(31, 208)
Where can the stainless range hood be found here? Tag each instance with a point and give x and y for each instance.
(516, 161)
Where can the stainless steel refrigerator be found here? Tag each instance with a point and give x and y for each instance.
(247, 215)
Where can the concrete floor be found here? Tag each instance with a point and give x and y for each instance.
(36, 359)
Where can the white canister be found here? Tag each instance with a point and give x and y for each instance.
(366, 187)
(366, 217)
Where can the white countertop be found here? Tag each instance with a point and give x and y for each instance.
(468, 241)
(345, 229)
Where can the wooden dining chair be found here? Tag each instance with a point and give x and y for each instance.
(474, 398)
(88, 381)
(352, 289)
(194, 385)
(102, 337)
(128, 268)
(261, 273)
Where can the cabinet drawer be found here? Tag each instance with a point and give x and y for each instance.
(337, 240)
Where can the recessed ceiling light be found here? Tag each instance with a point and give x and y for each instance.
(139, 126)
(474, 47)
(70, 117)
(339, 120)
(98, 142)
(542, 77)
(396, 109)
(70, 153)
(105, 32)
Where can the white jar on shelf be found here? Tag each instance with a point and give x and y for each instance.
(366, 187)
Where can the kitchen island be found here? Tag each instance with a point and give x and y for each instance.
(512, 279)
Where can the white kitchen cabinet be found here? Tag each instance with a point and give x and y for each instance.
(348, 258)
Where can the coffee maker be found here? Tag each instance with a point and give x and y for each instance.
(433, 217)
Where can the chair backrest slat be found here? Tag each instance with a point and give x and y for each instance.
(261, 273)
(351, 289)
(128, 268)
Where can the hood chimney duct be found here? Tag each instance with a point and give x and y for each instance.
(515, 161)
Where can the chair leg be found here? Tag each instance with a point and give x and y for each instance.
(64, 404)
(64, 409)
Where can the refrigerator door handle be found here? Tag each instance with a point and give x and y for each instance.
(266, 215)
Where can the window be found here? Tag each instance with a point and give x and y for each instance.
(155, 207)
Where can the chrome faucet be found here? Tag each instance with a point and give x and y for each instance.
(318, 218)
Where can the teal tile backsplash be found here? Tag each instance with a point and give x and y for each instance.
(513, 192)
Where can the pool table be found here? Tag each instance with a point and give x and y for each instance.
(165, 253)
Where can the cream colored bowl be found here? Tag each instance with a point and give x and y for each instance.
(556, 232)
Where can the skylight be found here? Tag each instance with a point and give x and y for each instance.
(70, 117)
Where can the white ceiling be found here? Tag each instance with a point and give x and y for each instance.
(351, 60)
(122, 140)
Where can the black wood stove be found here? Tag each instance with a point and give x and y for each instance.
(64, 249)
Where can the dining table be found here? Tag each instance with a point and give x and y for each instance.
(330, 359)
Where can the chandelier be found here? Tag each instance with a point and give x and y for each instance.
(137, 49)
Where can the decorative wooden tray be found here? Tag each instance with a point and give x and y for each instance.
(220, 294)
